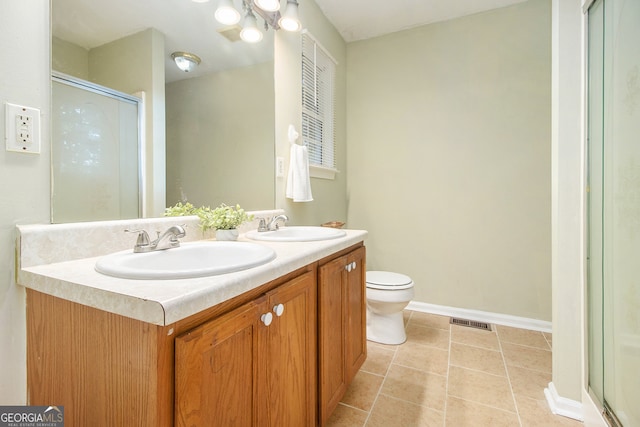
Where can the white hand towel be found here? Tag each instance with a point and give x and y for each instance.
(298, 182)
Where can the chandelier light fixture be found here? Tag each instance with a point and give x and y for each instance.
(268, 10)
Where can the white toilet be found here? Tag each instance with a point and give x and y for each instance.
(387, 295)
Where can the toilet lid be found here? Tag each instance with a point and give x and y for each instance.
(388, 280)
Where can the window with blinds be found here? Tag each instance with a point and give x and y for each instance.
(318, 88)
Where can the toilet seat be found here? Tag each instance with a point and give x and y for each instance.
(387, 280)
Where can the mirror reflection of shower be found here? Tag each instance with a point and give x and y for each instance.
(96, 147)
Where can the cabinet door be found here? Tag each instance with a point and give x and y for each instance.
(341, 327)
(331, 330)
(290, 377)
(356, 307)
(216, 370)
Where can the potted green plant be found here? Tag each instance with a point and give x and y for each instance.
(224, 219)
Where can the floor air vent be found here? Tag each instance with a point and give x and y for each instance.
(470, 323)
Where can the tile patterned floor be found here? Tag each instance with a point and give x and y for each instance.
(453, 376)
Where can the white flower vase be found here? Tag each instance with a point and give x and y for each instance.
(227, 234)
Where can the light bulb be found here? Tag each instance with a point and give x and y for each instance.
(268, 5)
(227, 14)
(289, 20)
(250, 32)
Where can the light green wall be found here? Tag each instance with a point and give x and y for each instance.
(329, 195)
(69, 58)
(220, 138)
(449, 158)
(24, 193)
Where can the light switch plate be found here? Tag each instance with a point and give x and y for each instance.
(280, 167)
(22, 129)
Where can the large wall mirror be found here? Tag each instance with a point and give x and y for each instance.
(208, 135)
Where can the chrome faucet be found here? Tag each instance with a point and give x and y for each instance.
(166, 240)
(263, 225)
(273, 224)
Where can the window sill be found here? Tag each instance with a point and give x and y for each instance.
(322, 172)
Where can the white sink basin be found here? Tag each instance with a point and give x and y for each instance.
(197, 259)
(297, 234)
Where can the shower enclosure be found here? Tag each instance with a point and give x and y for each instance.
(95, 152)
(613, 291)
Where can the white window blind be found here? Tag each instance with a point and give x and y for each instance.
(318, 87)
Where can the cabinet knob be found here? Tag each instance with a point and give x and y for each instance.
(351, 266)
(267, 318)
(278, 309)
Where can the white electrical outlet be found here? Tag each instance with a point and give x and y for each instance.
(22, 128)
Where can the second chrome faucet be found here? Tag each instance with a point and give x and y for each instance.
(272, 225)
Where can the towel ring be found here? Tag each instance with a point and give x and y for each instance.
(293, 134)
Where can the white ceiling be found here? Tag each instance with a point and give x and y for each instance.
(190, 26)
(363, 19)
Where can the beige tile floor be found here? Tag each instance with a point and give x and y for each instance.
(454, 376)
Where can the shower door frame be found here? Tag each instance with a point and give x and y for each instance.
(137, 99)
(604, 136)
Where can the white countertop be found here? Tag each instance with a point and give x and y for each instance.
(163, 302)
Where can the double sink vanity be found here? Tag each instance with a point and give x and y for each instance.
(265, 331)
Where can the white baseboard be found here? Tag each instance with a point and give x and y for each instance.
(592, 412)
(563, 406)
(482, 316)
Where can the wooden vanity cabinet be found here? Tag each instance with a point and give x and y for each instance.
(341, 326)
(254, 366)
(220, 367)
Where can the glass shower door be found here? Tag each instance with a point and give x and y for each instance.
(94, 152)
(614, 207)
